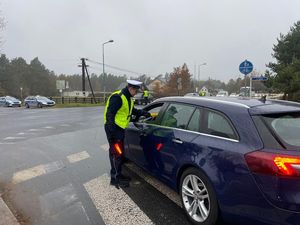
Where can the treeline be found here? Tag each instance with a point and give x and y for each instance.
(34, 78)
(17, 76)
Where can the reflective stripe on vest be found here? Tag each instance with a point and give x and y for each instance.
(146, 93)
(123, 115)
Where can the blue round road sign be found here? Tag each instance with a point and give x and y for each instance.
(246, 67)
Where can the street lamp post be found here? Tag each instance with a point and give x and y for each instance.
(202, 64)
(110, 41)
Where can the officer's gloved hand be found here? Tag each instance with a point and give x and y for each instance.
(147, 114)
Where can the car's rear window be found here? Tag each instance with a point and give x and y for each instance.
(285, 126)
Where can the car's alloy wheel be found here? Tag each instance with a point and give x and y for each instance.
(26, 105)
(198, 198)
(40, 105)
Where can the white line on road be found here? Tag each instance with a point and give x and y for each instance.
(7, 218)
(48, 127)
(13, 138)
(114, 205)
(36, 171)
(6, 143)
(21, 133)
(78, 156)
(34, 130)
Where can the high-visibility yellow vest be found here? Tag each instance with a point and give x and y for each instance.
(122, 117)
(146, 93)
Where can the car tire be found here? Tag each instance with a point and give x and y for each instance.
(198, 198)
(27, 105)
(40, 105)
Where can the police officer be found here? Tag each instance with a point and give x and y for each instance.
(202, 93)
(117, 115)
(145, 96)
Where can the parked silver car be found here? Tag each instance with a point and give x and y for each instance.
(38, 101)
(10, 101)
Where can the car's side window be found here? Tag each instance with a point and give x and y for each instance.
(218, 125)
(177, 115)
(155, 111)
(194, 124)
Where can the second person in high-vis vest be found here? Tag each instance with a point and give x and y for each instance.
(146, 96)
(117, 114)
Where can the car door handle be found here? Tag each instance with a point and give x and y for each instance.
(177, 140)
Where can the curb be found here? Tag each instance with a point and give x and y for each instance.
(7, 218)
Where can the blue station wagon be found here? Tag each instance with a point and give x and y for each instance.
(230, 159)
(38, 101)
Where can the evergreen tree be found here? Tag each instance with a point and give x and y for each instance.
(287, 68)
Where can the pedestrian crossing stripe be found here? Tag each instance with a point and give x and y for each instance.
(36, 171)
(114, 205)
(78, 156)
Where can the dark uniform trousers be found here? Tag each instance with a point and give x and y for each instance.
(115, 161)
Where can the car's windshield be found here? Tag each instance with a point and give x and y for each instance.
(285, 126)
(42, 98)
(138, 95)
(11, 98)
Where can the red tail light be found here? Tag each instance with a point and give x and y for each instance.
(273, 164)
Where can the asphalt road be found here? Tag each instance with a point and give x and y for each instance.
(53, 170)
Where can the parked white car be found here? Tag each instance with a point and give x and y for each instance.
(233, 95)
(222, 94)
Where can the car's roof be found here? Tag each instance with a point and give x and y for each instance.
(255, 106)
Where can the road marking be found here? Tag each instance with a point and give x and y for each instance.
(34, 130)
(114, 205)
(21, 133)
(170, 193)
(13, 138)
(48, 127)
(54, 166)
(78, 157)
(65, 125)
(36, 171)
(28, 174)
(6, 143)
(105, 147)
(6, 215)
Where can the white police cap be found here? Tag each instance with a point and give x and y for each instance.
(134, 83)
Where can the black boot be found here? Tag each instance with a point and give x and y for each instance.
(124, 178)
(119, 183)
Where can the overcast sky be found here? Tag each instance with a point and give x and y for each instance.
(150, 36)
